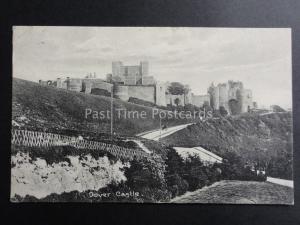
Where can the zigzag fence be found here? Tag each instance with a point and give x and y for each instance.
(43, 139)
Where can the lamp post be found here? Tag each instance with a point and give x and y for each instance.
(159, 127)
(111, 114)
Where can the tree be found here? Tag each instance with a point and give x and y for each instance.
(207, 107)
(176, 88)
(223, 111)
(177, 101)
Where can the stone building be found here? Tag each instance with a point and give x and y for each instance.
(131, 75)
(134, 81)
(232, 96)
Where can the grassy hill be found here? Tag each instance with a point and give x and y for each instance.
(240, 192)
(43, 107)
(261, 139)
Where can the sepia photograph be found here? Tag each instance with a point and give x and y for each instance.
(152, 115)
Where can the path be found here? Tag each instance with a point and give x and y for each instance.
(287, 183)
(203, 154)
(158, 134)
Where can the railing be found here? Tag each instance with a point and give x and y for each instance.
(43, 139)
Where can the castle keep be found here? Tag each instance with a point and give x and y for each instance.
(134, 82)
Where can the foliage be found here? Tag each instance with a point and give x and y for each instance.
(177, 101)
(147, 177)
(176, 88)
(259, 140)
(223, 111)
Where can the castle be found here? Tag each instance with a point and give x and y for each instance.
(134, 82)
(232, 96)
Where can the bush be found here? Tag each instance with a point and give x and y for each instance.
(233, 168)
(147, 177)
(223, 111)
(174, 173)
(195, 173)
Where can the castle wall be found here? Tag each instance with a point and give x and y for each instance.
(74, 84)
(131, 75)
(61, 83)
(170, 99)
(117, 68)
(89, 84)
(121, 92)
(148, 80)
(198, 100)
(144, 67)
(146, 93)
(247, 101)
(223, 96)
(130, 80)
(132, 70)
(160, 96)
(87, 87)
(188, 98)
(216, 99)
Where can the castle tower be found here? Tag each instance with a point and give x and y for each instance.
(247, 102)
(117, 68)
(223, 96)
(144, 68)
(160, 94)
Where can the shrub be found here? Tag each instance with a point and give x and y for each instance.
(233, 168)
(174, 174)
(223, 111)
(147, 177)
(195, 173)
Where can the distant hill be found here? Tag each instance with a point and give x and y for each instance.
(264, 140)
(43, 107)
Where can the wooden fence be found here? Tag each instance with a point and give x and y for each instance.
(43, 139)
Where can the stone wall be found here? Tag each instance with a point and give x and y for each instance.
(198, 100)
(160, 96)
(223, 96)
(247, 101)
(74, 84)
(170, 99)
(89, 84)
(146, 93)
(231, 94)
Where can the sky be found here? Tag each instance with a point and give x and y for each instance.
(259, 57)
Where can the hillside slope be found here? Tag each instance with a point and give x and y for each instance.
(265, 140)
(240, 192)
(41, 107)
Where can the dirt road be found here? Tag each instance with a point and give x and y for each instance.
(158, 134)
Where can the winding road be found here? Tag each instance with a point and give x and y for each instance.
(158, 134)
